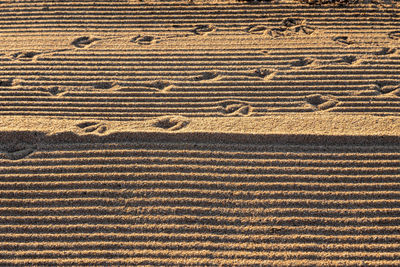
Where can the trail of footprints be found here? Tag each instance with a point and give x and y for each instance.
(226, 107)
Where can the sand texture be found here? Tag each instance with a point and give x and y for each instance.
(200, 133)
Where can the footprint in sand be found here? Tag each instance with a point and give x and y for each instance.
(343, 40)
(84, 41)
(264, 73)
(53, 90)
(171, 123)
(209, 75)
(25, 56)
(349, 59)
(256, 29)
(385, 51)
(105, 85)
(16, 151)
(7, 82)
(302, 62)
(277, 32)
(143, 40)
(389, 89)
(297, 25)
(203, 29)
(92, 126)
(321, 102)
(235, 108)
(395, 35)
(161, 85)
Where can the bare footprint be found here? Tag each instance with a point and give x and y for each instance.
(210, 75)
(171, 123)
(25, 56)
(256, 29)
(320, 102)
(53, 90)
(343, 40)
(203, 29)
(235, 108)
(84, 41)
(16, 151)
(264, 73)
(92, 126)
(395, 35)
(301, 62)
(385, 51)
(143, 39)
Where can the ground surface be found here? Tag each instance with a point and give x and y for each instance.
(199, 133)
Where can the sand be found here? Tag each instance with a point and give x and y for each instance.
(199, 133)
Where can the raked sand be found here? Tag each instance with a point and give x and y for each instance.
(199, 133)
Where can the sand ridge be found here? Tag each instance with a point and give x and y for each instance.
(199, 133)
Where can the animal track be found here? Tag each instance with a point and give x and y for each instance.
(211, 75)
(277, 32)
(256, 29)
(92, 126)
(104, 85)
(395, 35)
(390, 89)
(7, 82)
(171, 123)
(290, 22)
(16, 151)
(202, 29)
(264, 73)
(84, 41)
(349, 59)
(161, 85)
(320, 102)
(25, 56)
(301, 62)
(343, 40)
(143, 40)
(235, 108)
(385, 51)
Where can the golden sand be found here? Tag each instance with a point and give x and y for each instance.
(199, 133)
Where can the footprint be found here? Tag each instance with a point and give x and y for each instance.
(171, 123)
(235, 108)
(277, 32)
(305, 29)
(16, 151)
(161, 85)
(203, 29)
(143, 39)
(395, 35)
(53, 90)
(256, 29)
(385, 51)
(290, 22)
(343, 40)
(104, 85)
(301, 62)
(349, 59)
(92, 126)
(7, 82)
(264, 73)
(320, 102)
(25, 56)
(390, 89)
(211, 75)
(84, 41)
